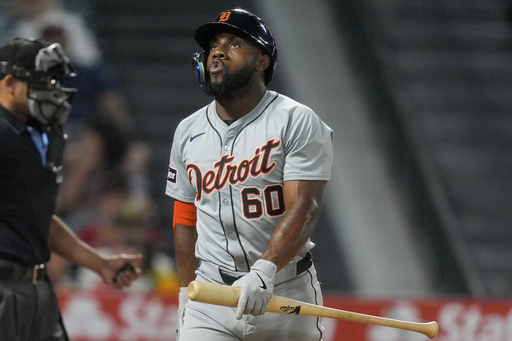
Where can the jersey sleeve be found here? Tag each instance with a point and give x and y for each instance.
(308, 147)
(178, 184)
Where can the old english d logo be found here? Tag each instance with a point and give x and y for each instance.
(224, 16)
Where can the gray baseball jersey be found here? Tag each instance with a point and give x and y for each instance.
(235, 174)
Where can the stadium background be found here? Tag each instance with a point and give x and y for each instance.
(418, 94)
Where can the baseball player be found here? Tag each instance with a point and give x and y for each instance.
(247, 173)
(33, 108)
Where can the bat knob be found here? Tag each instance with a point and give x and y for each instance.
(192, 290)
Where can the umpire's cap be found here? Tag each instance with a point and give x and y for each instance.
(18, 55)
(244, 24)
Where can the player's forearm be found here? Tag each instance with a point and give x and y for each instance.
(289, 238)
(298, 223)
(185, 238)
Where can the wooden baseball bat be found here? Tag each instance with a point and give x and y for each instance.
(225, 295)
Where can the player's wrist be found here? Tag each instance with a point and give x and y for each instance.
(183, 295)
(182, 300)
(265, 266)
(183, 291)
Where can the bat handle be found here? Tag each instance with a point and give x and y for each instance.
(213, 293)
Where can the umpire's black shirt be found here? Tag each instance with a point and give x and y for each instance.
(28, 194)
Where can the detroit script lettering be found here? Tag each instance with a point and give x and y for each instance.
(224, 171)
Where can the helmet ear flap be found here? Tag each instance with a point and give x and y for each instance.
(198, 64)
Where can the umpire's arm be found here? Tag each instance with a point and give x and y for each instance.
(67, 244)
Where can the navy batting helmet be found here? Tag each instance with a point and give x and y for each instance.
(244, 24)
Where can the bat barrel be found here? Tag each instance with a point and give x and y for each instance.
(431, 329)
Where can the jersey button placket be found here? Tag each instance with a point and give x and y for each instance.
(227, 140)
(231, 235)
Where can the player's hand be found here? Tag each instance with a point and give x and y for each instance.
(182, 299)
(115, 273)
(257, 288)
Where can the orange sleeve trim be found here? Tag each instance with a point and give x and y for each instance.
(184, 214)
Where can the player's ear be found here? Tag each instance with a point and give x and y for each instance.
(263, 62)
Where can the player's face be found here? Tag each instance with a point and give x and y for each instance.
(232, 63)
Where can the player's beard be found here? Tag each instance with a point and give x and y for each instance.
(231, 83)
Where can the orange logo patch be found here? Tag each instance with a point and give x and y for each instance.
(224, 16)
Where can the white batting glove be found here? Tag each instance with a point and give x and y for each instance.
(257, 288)
(182, 300)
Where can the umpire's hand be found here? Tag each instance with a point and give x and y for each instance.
(257, 288)
(115, 273)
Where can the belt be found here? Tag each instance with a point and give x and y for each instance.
(10, 271)
(301, 266)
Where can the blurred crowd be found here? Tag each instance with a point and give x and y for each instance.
(105, 195)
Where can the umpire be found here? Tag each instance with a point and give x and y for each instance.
(33, 109)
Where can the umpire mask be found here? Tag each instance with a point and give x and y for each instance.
(49, 102)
